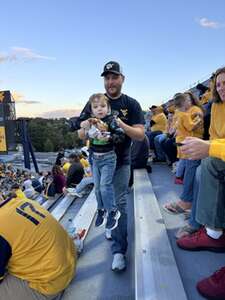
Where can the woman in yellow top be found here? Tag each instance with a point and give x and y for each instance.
(189, 123)
(210, 206)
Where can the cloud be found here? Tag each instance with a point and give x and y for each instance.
(60, 113)
(204, 22)
(20, 99)
(22, 54)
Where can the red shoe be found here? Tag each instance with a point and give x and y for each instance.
(178, 180)
(213, 287)
(201, 241)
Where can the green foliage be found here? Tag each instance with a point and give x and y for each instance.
(52, 134)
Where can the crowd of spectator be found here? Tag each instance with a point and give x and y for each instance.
(192, 139)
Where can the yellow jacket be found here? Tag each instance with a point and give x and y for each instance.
(160, 122)
(217, 149)
(217, 123)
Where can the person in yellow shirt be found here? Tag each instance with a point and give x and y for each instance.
(158, 124)
(210, 206)
(66, 165)
(37, 256)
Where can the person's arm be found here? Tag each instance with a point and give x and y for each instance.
(136, 129)
(5, 254)
(217, 148)
(135, 132)
(195, 148)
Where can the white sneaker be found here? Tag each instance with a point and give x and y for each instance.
(108, 234)
(72, 192)
(119, 262)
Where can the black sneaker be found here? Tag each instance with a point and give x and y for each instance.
(112, 219)
(100, 220)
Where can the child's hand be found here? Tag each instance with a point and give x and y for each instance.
(85, 124)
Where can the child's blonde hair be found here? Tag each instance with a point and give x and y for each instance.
(99, 97)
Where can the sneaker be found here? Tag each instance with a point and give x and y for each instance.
(178, 180)
(100, 220)
(201, 241)
(112, 219)
(72, 192)
(213, 287)
(108, 234)
(119, 262)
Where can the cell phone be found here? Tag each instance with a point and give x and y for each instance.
(179, 144)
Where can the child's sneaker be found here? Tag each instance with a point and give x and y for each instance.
(100, 220)
(112, 219)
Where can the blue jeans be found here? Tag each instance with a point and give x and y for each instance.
(189, 177)
(84, 183)
(192, 221)
(180, 168)
(158, 149)
(103, 171)
(119, 234)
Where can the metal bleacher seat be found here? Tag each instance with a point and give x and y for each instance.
(156, 272)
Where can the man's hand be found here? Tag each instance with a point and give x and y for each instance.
(195, 148)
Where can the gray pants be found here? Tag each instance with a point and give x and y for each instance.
(13, 288)
(210, 209)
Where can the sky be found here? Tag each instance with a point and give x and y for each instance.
(52, 52)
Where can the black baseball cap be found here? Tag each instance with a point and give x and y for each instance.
(112, 67)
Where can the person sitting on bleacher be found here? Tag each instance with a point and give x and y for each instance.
(29, 190)
(37, 257)
(158, 124)
(210, 206)
(75, 172)
(189, 123)
(58, 179)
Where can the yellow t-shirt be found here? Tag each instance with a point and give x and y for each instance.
(42, 252)
(20, 194)
(217, 122)
(217, 149)
(206, 97)
(198, 132)
(160, 122)
(84, 163)
(184, 128)
(66, 167)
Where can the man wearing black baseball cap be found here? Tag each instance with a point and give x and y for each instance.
(112, 67)
(130, 118)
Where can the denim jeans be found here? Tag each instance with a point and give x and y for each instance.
(119, 234)
(189, 176)
(84, 182)
(180, 168)
(192, 221)
(104, 166)
(158, 149)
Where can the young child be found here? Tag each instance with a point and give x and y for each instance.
(103, 133)
(189, 122)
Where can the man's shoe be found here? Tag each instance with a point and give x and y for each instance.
(100, 220)
(119, 262)
(108, 234)
(112, 219)
(201, 241)
(213, 287)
